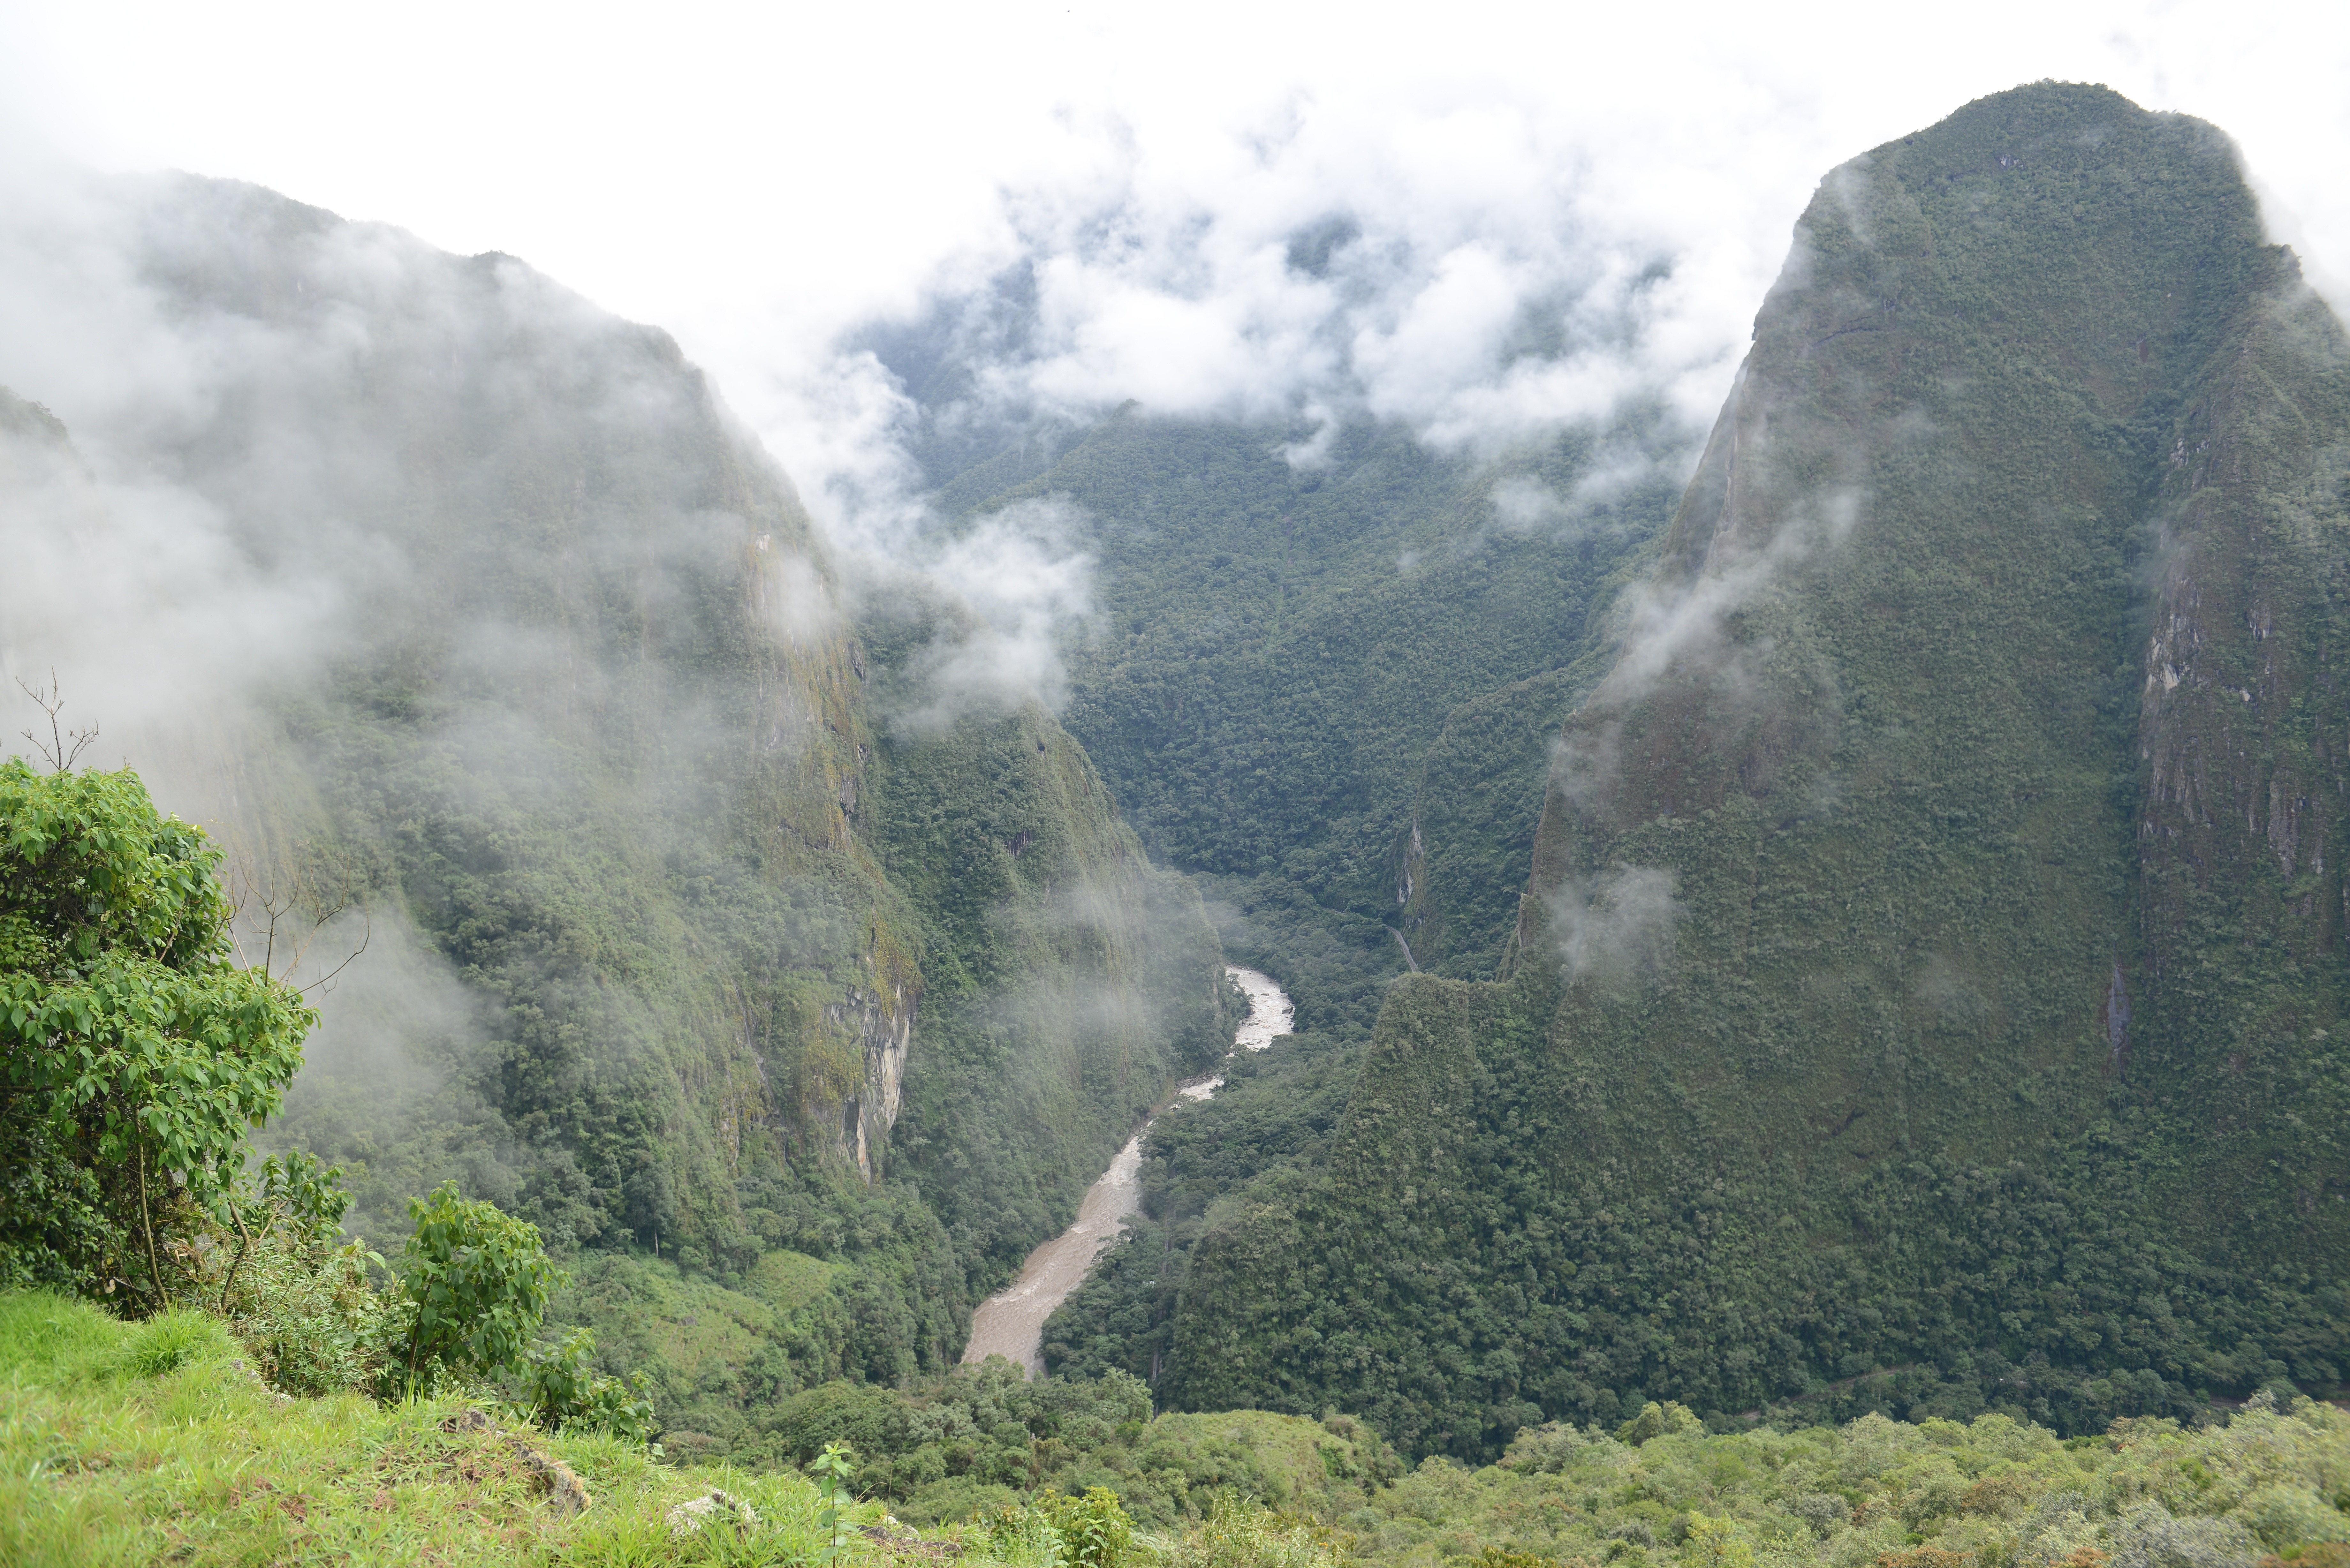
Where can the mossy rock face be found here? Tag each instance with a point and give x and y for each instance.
(1931, 968)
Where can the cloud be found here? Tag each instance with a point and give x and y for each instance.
(1665, 621)
(1523, 503)
(1461, 268)
(289, 428)
(1617, 923)
(1001, 595)
(136, 600)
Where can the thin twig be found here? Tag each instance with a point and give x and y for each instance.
(367, 935)
(50, 700)
(155, 1265)
(244, 1245)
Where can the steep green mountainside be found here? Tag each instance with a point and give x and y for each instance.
(1280, 649)
(670, 929)
(1927, 994)
(1326, 691)
(1268, 1129)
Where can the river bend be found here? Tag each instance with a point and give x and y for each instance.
(1012, 1321)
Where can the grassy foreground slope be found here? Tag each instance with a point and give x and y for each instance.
(128, 1444)
(1927, 996)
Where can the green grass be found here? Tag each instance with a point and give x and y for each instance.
(137, 1443)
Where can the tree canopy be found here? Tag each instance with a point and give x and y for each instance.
(138, 1052)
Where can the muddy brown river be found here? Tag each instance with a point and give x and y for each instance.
(1012, 1321)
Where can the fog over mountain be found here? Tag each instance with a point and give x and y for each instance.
(1500, 227)
(1742, 615)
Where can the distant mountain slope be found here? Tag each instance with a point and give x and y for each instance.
(670, 928)
(1278, 647)
(1930, 987)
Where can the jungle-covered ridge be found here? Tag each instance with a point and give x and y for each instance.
(1927, 994)
(1853, 935)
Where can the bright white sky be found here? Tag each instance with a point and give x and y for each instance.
(753, 176)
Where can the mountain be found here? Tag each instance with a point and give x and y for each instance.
(1281, 649)
(676, 942)
(1861, 930)
(1927, 990)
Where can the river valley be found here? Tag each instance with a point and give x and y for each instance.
(1011, 1322)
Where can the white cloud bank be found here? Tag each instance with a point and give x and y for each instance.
(1482, 224)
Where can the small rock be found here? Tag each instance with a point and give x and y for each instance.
(567, 1493)
(688, 1517)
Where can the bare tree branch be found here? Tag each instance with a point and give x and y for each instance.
(65, 746)
(282, 903)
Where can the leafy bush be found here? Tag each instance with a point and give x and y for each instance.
(1088, 1531)
(475, 1283)
(563, 1390)
(1238, 1534)
(296, 1293)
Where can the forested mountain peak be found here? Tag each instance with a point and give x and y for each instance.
(1930, 965)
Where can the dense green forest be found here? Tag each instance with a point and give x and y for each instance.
(1929, 995)
(1313, 668)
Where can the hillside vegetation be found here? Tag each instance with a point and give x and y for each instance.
(666, 926)
(1927, 994)
(131, 1444)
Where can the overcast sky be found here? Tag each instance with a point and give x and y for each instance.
(753, 178)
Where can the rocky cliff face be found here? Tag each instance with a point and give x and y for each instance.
(2243, 726)
(885, 1033)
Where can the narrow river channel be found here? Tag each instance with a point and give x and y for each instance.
(1012, 1321)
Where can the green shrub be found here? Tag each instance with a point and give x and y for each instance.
(1657, 1420)
(564, 1390)
(474, 1283)
(1238, 1534)
(295, 1291)
(1088, 1531)
(138, 1056)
